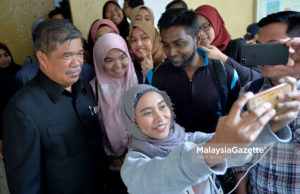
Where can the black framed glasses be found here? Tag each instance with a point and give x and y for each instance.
(205, 27)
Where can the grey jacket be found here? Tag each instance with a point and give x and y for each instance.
(185, 166)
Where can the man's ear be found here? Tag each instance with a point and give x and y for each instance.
(42, 58)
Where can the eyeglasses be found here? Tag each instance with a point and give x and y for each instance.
(205, 27)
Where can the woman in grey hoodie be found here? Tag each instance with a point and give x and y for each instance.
(162, 158)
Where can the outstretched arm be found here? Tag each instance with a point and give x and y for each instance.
(238, 129)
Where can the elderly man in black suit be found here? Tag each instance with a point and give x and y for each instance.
(51, 134)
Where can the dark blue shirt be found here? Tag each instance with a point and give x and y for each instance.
(196, 102)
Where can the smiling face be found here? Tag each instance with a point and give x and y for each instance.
(143, 15)
(5, 59)
(64, 64)
(116, 63)
(140, 42)
(178, 45)
(114, 13)
(153, 116)
(207, 33)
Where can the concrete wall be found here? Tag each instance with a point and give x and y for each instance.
(85, 12)
(237, 14)
(16, 18)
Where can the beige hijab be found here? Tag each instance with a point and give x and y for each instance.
(158, 54)
(135, 10)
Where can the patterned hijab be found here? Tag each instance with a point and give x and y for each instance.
(110, 91)
(222, 37)
(135, 10)
(100, 23)
(141, 142)
(158, 54)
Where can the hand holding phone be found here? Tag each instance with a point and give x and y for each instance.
(270, 95)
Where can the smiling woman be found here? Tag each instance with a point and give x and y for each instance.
(7, 64)
(114, 75)
(170, 158)
(217, 42)
(142, 13)
(146, 48)
(112, 11)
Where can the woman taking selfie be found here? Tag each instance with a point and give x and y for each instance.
(162, 158)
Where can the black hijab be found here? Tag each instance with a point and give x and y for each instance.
(13, 67)
(123, 26)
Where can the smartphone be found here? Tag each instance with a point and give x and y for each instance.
(270, 95)
(264, 54)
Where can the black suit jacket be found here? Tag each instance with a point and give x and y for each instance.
(52, 140)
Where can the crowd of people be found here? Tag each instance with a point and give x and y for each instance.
(128, 110)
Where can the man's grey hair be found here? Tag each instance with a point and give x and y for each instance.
(53, 32)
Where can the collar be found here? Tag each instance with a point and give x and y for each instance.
(202, 52)
(54, 90)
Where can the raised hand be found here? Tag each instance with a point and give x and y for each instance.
(214, 53)
(290, 101)
(243, 128)
(238, 130)
(294, 44)
(147, 62)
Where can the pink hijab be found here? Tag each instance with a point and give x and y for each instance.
(110, 91)
(99, 23)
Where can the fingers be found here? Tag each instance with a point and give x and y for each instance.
(291, 62)
(238, 105)
(147, 60)
(288, 116)
(256, 113)
(256, 127)
(146, 54)
(290, 80)
(244, 114)
(290, 105)
(294, 44)
(204, 48)
(211, 46)
(289, 96)
(285, 41)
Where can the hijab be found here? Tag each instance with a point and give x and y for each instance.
(158, 54)
(13, 68)
(123, 26)
(135, 10)
(222, 37)
(141, 142)
(101, 23)
(110, 91)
